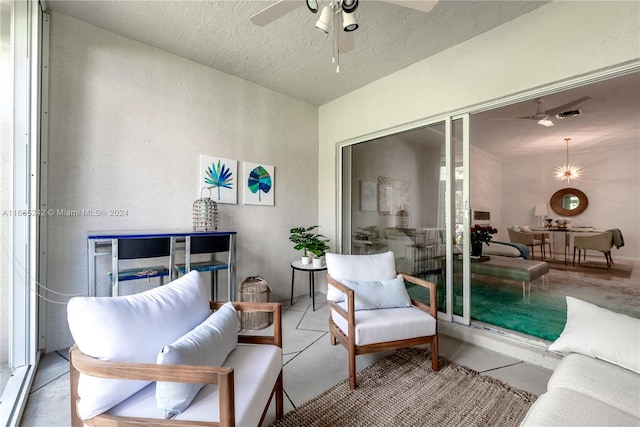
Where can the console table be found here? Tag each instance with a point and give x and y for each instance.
(102, 243)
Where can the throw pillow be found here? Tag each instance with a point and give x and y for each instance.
(370, 295)
(131, 329)
(359, 268)
(206, 345)
(600, 333)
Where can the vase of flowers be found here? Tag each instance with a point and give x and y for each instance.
(480, 234)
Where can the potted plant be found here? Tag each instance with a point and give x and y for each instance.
(303, 238)
(318, 247)
(479, 235)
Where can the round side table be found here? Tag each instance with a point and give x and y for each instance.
(297, 265)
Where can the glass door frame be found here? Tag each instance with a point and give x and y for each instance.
(344, 205)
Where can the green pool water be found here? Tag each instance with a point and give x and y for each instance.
(501, 304)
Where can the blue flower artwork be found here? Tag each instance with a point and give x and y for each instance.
(221, 175)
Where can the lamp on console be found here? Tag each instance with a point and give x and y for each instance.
(541, 212)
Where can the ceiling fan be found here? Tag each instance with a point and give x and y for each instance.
(543, 117)
(335, 15)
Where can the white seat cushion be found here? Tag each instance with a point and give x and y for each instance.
(606, 382)
(359, 268)
(564, 407)
(388, 324)
(256, 369)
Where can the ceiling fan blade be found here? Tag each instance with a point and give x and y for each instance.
(546, 123)
(421, 5)
(561, 108)
(346, 41)
(275, 11)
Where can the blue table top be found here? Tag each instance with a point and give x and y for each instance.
(133, 234)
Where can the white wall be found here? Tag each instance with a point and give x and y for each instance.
(611, 182)
(556, 42)
(127, 125)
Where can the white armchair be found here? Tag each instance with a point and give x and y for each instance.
(370, 309)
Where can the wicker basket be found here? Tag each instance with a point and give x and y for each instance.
(255, 289)
(205, 213)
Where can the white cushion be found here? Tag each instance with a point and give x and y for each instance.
(379, 294)
(255, 368)
(360, 268)
(606, 382)
(600, 333)
(388, 324)
(564, 407)
(208, 344)
(133, 329)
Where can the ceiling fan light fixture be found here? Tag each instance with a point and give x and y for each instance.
(545, 122)
(349, 22)
(324, 22)
(349, 6)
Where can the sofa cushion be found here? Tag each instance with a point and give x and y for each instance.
(603, 381)
(256, 369)
(133, 329)
(373, 294)
(359, 268)
(600, 333)
(208, 344)
(373, 326)
(564, 407)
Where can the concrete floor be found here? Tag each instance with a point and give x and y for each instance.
(311, 366)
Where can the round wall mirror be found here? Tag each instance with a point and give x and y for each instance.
(569, 202)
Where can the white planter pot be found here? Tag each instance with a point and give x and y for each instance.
(317, 262)
(306, 260)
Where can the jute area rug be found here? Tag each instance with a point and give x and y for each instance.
(402, 390)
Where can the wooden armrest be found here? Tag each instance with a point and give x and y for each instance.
(145, 371)
(256, 307)
(349, 313)
(82, 363)
(432, 308)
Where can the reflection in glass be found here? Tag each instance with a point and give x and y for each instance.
(570, 202)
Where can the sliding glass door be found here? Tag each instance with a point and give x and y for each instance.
(20, 84)
(405, 193)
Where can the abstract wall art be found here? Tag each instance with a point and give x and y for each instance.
(258, 184)
(221, 175)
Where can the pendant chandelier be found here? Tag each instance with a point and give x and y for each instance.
(567, 172)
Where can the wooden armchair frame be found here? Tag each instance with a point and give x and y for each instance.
(349, 340)
(223, 376)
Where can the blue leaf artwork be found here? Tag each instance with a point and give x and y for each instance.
(259, 181)
(219, 174)
(259, 184)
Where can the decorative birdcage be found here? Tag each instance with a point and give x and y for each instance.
(255, 289)
(205, 213)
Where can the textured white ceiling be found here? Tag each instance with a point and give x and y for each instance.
(290, 55)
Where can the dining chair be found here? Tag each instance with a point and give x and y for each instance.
(602, 242)
(139, 248)
(527, 239)
(197, 245)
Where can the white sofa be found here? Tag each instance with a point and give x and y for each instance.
(169, 355)
(598, 382)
